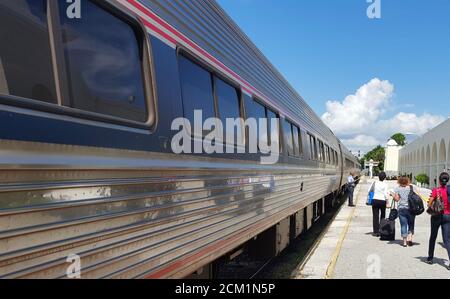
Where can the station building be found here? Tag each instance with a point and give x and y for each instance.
(429, 154)
(391, 163)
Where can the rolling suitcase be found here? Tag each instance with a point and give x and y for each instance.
(387, 230)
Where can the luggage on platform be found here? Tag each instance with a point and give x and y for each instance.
(387, 230)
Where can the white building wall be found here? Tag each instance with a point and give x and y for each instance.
(429, 154)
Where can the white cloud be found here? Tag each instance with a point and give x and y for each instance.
(361, 141)
(358, 112)
(359, 120)
(411, 123)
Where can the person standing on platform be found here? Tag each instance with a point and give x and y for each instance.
(351, 184)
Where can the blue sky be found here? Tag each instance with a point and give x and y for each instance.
(328, 49)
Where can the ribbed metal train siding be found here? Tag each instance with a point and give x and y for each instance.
(130, 214)
(211, 28)
(127, 228)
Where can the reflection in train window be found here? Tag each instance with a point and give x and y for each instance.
(330, 155)
(288, 139)
(228, 104)
(197, 90)
(297, 141)
(324, 157)
(321, 152)
(257, 111)
(327, 154)
(104, 60)
(312, 147)
(274, 135)
(25, 57)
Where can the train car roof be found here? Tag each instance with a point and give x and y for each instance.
(210, 27)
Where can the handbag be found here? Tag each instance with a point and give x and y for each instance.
(393, 214)
(371, 194)
(437, 206)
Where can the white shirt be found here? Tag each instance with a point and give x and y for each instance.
(381, 191)
(350, 180)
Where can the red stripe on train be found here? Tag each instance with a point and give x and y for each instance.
(247, 87)
(158, 31)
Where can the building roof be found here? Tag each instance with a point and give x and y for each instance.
(392, 142)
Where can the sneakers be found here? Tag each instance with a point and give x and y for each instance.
(429, 261)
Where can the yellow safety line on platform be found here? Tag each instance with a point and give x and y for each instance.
(332, 265)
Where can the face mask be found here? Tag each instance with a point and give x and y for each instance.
(444, 182)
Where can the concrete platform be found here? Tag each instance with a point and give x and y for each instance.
(349, 251)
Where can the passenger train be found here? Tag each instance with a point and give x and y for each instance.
(87, 172)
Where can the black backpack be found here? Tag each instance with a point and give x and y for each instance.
(415, 203)
(448, 193)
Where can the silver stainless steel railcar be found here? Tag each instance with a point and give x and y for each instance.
(86, 103)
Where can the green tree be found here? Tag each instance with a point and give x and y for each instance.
(399, 138)
(377, 154)
(423, 179)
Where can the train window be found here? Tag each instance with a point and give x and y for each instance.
(327, 154)
(228, 103)
(321, 152)
(297, 141)
(312, 147)
(330, 155)
(104, 62)
(26, 68)
(273, 135)
(227, 100)
(197, 90)
(257, 111)
(300, 142)
(288, 138)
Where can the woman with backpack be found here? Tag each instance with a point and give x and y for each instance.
(437, 207)
(407, 218)
(380, 196)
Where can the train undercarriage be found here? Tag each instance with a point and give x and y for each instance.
(271, 243)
